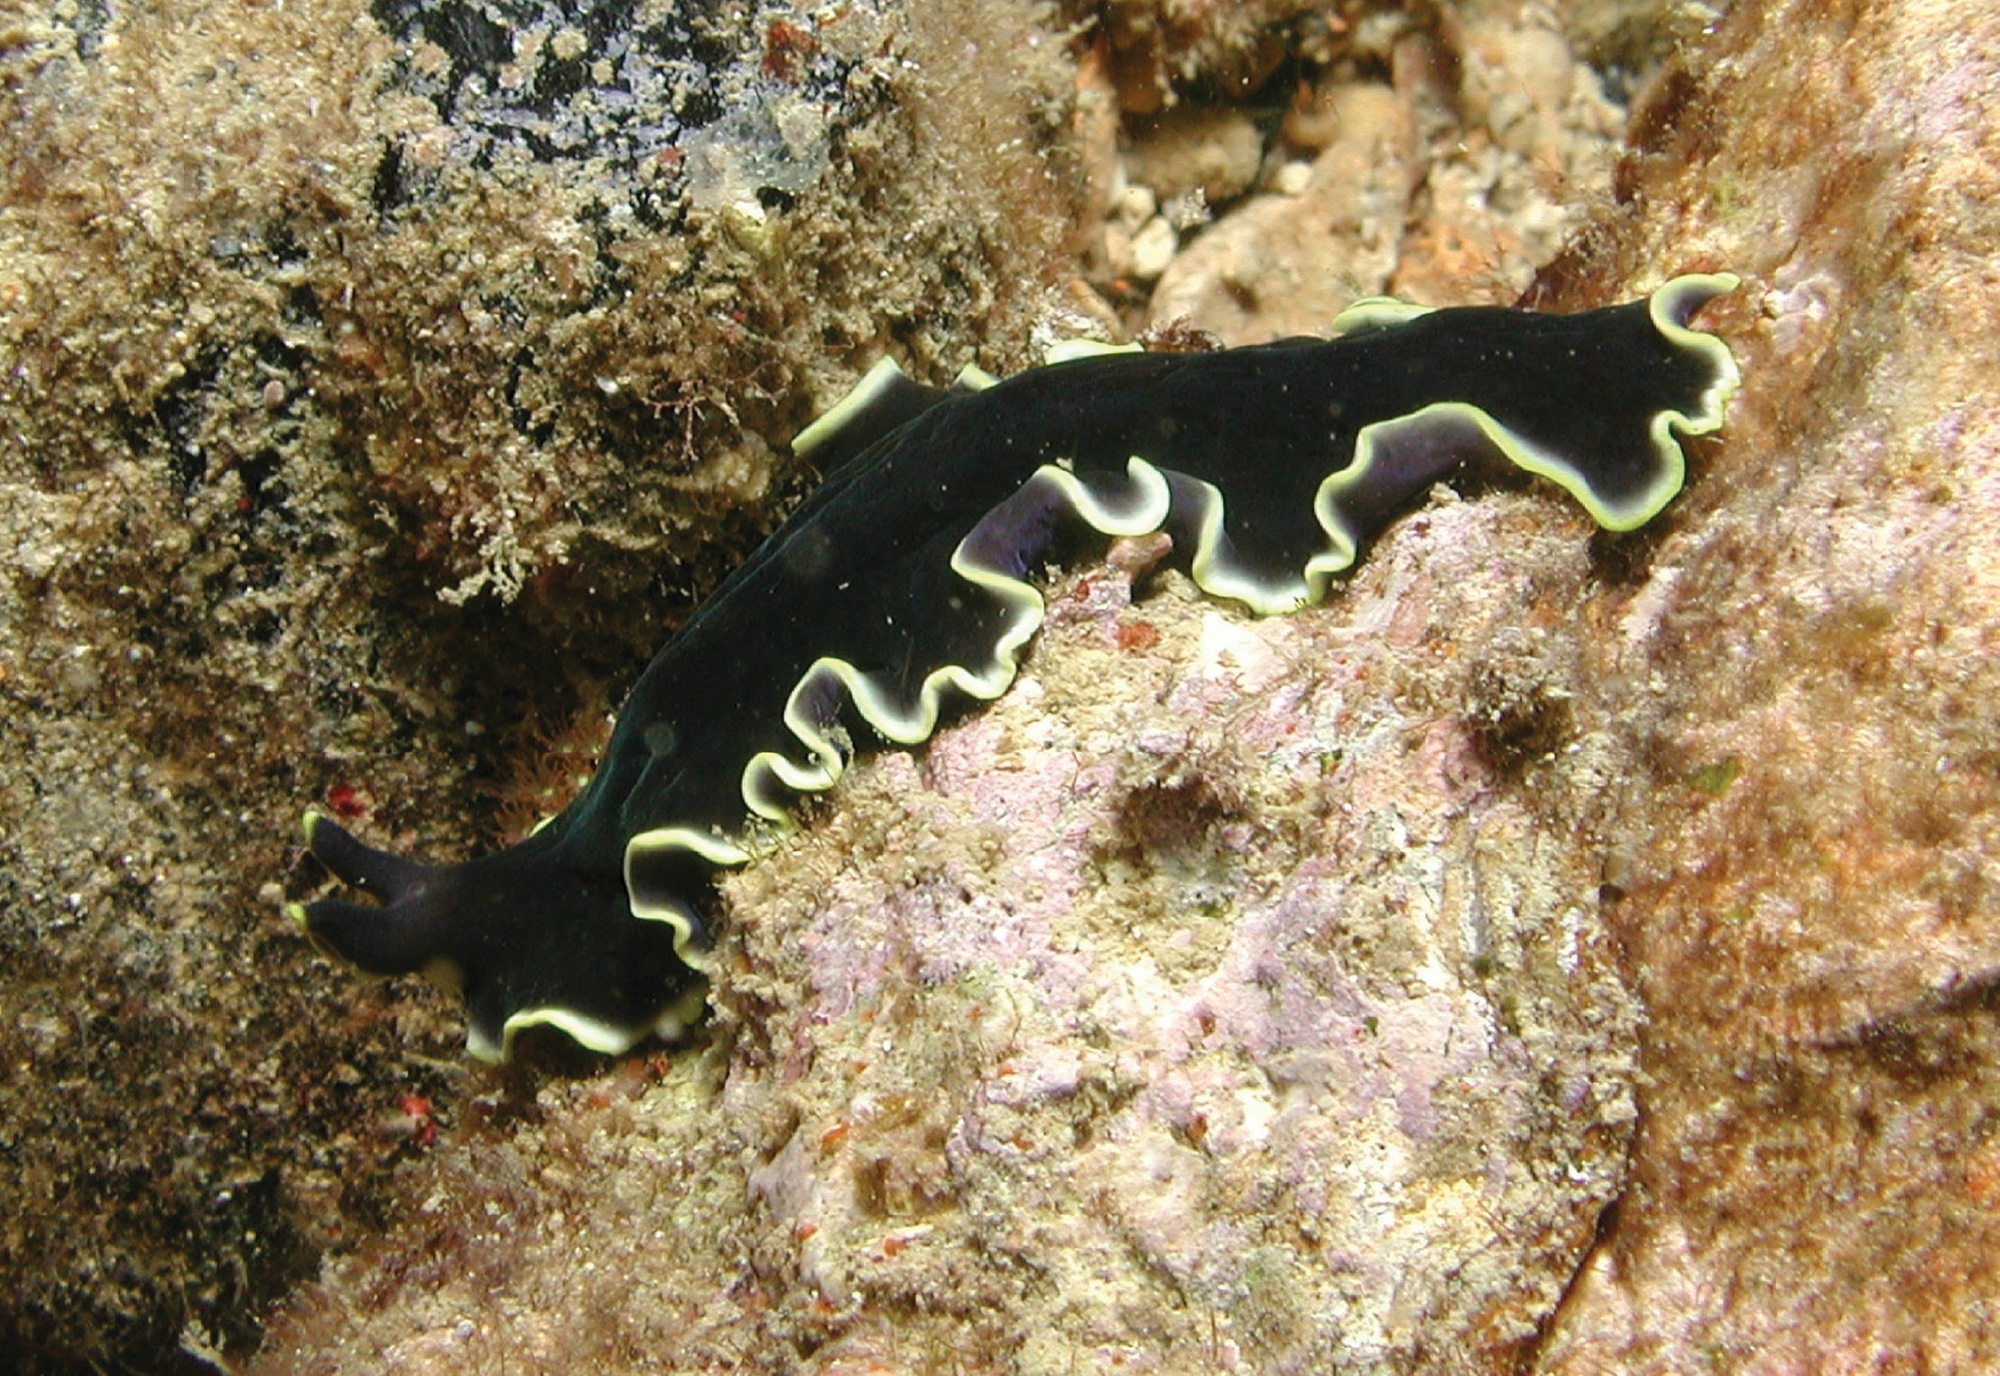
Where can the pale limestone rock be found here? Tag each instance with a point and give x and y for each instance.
(1287, 264)
(1505, 136)
(1210, 149)
(1153, 248)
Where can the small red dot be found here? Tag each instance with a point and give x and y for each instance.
(347, 801)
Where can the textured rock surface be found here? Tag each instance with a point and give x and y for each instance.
(1439, 161)
(1229, 994)
(306, 322)
(1811, 889)
(1299, 1047)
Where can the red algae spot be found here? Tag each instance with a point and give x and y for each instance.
(349, 801)
(1137, 635)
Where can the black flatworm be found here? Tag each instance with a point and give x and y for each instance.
(902, 589)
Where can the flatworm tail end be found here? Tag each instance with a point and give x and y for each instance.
(1673, 309)
(1608, 431)
(1693, 376)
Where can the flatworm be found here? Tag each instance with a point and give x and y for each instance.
(901, 589)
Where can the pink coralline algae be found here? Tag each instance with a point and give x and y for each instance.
(1216, 981)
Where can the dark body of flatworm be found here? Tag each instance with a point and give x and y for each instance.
(901, 589)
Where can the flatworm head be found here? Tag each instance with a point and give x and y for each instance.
(903, 589)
